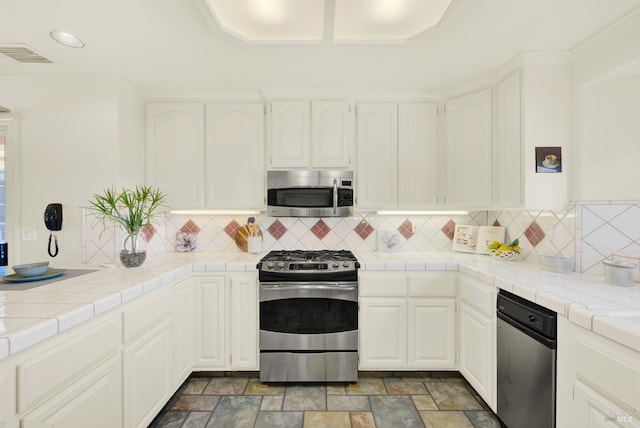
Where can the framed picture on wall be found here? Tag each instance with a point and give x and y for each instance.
(548, 159)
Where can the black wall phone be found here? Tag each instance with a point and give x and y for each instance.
(53, 221)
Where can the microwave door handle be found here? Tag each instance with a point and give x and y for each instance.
(335, 195)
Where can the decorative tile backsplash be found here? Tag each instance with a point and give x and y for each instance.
(605, 228)
(590, 231)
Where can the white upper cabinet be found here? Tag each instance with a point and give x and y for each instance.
(174, 152)
(313, 134)
(235, 155)
(225, 170)
(507, 153)
(289, 134)
(377, 178)
(397, 155)
(331, 129)
(468, 151)
(417, 155)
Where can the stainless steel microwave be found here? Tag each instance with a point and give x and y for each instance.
(309, 193)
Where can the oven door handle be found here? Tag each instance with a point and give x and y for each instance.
(317, 286)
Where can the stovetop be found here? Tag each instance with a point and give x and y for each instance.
(319, 263)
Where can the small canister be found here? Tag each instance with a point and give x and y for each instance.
(618, 273)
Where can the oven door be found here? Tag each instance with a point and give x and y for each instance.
(309, 316)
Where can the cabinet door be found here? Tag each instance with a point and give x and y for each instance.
(290, 136)
(244, 322)
(148, 379)
(477, 349)
(418, 157)
(592, 410)
(432, 333)
(377, 128)
(175, 152)
(383, 333)
(184, 302)
(210, 341)
(468, 151)
(92, 401)
(507, 170)
(235, 155)
(330, 134)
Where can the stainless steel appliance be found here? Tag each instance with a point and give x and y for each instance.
(309, 193)
(308, 316)
(526, 339)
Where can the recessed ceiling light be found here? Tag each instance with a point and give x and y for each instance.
(66, 39)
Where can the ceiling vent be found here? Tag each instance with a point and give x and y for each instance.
(23, 54)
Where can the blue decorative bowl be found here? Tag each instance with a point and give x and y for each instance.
(31, 269)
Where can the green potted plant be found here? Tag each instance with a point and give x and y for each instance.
(131, 209)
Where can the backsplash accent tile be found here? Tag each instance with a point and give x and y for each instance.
(364, 229)
(449, 229)
(147, 232)
(406, 229)
(190, 227)
(534, 233)
(277, 229)
(231, 229)
(320, 229)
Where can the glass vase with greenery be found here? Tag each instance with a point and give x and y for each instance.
(131, 209)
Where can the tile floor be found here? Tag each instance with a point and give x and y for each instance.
(425, 399)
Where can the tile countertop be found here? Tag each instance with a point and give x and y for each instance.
(31, 316)
(585, 299)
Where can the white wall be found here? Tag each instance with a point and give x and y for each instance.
(605, 105)
(77, 136)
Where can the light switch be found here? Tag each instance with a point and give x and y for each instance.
(29, 233)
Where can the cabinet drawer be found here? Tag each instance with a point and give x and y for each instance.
(92, 401)
(146, 314)
(60, 364)
(481, 297)
(611, 367)
(383, 284)
(432, 284)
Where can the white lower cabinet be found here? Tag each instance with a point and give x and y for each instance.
(407, 320)
(477, 337)
(147, 379)
(210, 325)
(244, 321)
(92, 401)
(7, 389)
(432, 333)
(227, 326)
(383, 333)
(593, 410)
(598, 380)
(184, 327)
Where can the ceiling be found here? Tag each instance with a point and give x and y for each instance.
(177, 45)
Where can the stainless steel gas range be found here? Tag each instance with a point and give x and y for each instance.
(308, 316)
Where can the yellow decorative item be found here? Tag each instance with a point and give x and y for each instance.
(504, 251)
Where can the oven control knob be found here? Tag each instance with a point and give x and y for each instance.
(280, 265)
(270, 264)
(335, 265)
(345, 264)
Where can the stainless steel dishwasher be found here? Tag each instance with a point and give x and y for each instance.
(526, 339)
